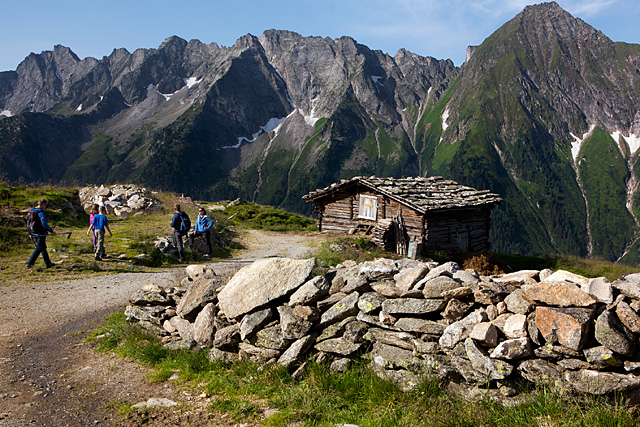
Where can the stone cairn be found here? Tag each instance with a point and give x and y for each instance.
(408, 317)
(120, 200)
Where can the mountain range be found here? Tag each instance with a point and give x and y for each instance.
(545, 112)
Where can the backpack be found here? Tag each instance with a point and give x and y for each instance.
(34, 225)
(185, 225)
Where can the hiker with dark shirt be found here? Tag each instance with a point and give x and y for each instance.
(181, 225)
(203, 226)
(40, 231)
(98, 225)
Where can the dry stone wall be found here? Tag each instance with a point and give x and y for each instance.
(409, 318)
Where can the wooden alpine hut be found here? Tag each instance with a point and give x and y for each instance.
(431, 213)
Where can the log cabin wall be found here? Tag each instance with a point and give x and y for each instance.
(462, 229)
(412, 220)
(339, 211)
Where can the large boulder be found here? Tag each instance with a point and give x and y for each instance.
(262, 282)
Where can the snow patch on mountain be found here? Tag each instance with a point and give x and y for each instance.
(6, 113)
(191, 81)
(272, 125)
(376, 80)
(632, 140)
(445, 116)
(576, 145)
(310, 119)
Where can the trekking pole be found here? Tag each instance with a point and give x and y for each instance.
(68, 233)
(161, 231)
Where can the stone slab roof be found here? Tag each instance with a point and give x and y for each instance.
(421, 193)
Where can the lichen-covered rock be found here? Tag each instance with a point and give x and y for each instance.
(271, 338)
(407, 278)
(486, 366)
(517, 303)
(295, 352)
(258, 354)
(412, 306)
(355, 331)
(339, 346)
(602, 356)
(437, 286)
(421, 326)
(310, 292)
(255, 321)
(567, 326)
(378, 269)
(391, 357)
(460, 330)
(141, 297)
(370, 302)
(599, 383)
(513, 349)
(292, 326)
(140, 313)
(344, 308)
(543, 373)
(611, 333)
(227, 336)
(392, 338)
(456, 310)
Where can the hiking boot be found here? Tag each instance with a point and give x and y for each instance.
(52, 265)
(29, 265)
(98, 258)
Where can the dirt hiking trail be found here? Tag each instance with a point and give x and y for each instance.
(50, 377)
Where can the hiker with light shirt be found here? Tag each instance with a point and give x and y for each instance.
(203, 226)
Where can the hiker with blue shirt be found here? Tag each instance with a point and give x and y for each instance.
(98, 225)
(181, 225)
(203, 226)
(39, 230)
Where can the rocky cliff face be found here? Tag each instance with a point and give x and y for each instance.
(543, 112)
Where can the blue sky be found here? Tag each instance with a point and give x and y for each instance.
(439, 28)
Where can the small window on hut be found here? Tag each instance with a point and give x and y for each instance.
(368, 206)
